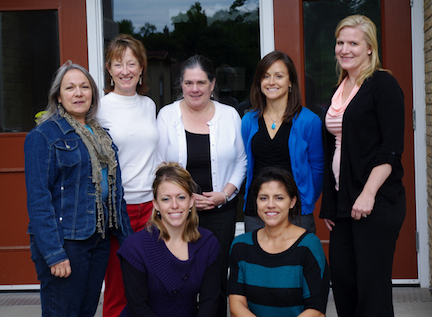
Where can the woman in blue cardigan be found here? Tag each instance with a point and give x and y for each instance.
(280, 132)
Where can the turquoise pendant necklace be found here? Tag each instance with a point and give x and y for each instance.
(273, 126)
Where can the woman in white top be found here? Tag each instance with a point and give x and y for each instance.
(130, 118)
(204, 136)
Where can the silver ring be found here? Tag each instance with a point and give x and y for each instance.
(364, 216)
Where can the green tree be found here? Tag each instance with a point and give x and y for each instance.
(229, 37)
(126, 27)
(148, 29)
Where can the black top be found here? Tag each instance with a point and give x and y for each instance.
(198, 160)
(372, 135)
(269, 152)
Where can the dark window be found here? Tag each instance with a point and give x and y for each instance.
(320, 21)
(29, 56)
(225, 31)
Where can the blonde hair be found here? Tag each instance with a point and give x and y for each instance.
(368, 28)
(174, 173)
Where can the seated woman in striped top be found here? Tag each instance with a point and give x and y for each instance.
(281, 269)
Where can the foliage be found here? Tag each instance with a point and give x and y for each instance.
(229, 37)
(319, 41)
(126, 27)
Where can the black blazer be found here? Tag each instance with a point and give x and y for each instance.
(372, 134)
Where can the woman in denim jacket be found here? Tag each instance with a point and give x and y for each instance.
(74, 196)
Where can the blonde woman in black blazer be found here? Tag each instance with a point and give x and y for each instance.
(363, 201)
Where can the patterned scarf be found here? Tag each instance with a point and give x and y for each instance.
(102, 155)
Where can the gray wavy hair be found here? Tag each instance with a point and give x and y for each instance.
(52, 108)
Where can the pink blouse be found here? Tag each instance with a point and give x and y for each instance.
(333, 122)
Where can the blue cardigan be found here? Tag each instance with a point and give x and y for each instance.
(306, 153)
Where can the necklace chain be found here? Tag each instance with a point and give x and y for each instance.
(273, 126)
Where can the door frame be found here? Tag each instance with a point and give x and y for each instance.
(267, 26)
(95, 42)
(419, 106)
(73, 43)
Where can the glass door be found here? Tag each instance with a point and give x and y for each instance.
(36, 36)
(305, 31)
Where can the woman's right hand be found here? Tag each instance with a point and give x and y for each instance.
(62, 269)
(329, 224)
(203, 203)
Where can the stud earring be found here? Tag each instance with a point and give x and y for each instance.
(112, 82)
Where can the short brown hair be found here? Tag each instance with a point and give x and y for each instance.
(174, 173)
(115, 51)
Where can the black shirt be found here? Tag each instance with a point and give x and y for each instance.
(268, 152)
(198, 160)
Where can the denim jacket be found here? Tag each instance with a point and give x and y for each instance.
(61, 198)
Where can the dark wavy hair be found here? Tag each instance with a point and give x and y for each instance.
(276, 174)
(258, 99)
(195, 61)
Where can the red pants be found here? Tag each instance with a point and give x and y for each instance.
(114, 296)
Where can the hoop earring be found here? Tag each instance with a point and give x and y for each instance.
(112, 82)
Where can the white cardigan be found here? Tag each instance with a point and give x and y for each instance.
(227, 154)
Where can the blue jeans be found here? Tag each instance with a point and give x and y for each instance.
(78, 294)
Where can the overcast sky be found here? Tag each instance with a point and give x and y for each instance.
(159, 12)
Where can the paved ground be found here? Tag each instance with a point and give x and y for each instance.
(412, 302)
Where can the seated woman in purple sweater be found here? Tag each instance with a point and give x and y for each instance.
(168, 264)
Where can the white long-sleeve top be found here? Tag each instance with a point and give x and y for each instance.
(227, 154)
(131, 122)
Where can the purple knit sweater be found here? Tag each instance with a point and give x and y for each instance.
(172, 285)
